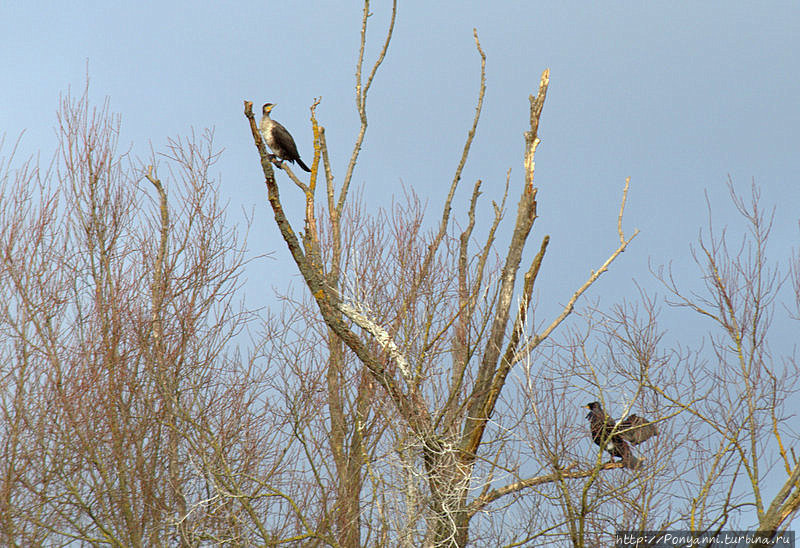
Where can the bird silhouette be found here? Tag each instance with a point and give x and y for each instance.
(617, 438)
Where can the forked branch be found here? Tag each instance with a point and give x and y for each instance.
(361, 93)
(593, 276)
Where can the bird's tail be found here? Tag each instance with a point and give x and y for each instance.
(303, 166)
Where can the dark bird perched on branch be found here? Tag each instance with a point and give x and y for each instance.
(279, 139)
(614, 437)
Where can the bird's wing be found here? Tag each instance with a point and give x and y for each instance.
(636, 429)
(285, 141)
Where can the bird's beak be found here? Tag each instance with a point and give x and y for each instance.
(587, 407)
(273, 106)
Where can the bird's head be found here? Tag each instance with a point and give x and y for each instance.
(593, 407)
(267, 108)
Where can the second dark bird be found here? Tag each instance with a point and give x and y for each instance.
(615, 438)
(279, 139)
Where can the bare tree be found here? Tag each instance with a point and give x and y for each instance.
(422, 329)
(724, 457)
(128, 418)
(747, 388)
(437, 332)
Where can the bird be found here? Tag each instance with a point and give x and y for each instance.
(279, 139)
(615, 437)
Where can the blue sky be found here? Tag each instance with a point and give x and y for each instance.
(675, 95)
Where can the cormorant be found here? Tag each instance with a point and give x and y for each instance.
(614, 437)
(279, 139)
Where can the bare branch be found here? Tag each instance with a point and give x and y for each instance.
(593, 276)
(361, 93)
(567, 473)
(381, 336)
